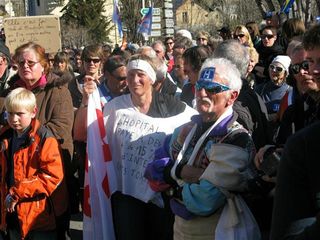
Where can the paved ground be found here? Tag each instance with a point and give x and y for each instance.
(76, 227)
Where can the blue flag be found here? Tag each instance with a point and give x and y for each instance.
(146, 24)
(286, 6)
(116, 17)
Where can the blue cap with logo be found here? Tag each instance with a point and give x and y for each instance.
(206, 81)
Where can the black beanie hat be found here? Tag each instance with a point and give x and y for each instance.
(5, 50)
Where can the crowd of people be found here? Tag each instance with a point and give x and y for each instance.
(212, 137)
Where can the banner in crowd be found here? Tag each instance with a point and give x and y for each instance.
(99, 177)
(133, 139)
(145, 24)
(116, 18)
(287, 6)
(44, 30)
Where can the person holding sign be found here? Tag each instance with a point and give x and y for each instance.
(136, 125)
(206, 162)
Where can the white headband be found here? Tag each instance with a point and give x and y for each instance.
(143, 66)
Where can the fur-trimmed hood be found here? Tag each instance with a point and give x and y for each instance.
(54, 79)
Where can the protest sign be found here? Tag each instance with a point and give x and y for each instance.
(44, 30)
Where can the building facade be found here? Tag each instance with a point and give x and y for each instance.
(190, 15)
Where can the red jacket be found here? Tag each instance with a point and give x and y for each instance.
(39, 184)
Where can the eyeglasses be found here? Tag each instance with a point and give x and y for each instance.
(28, 62)
(238, 36)
(94, 60)
(119, 78)
(211, 87)
(269, 36)
(169, 43)
(295, 68)
(276, 68)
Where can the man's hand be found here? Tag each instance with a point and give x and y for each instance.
(258, 159)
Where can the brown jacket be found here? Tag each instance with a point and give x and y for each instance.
(38, 178)
(55, 109)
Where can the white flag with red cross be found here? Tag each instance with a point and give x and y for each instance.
(99, 177)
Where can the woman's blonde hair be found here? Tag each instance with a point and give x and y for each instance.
(254, 55)
(244, 30)
(20, 98)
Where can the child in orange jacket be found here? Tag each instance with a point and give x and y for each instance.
(31, 172)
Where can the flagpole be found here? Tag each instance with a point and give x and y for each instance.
(115, 27)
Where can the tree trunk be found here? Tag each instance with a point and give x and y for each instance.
(318, 6)
(307, 11)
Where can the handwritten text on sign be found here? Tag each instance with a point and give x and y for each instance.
(44, 30)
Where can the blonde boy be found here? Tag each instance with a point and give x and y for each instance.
(32, 166)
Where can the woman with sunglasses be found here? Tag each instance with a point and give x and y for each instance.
(272, 91)
(54, 111)
(92, 58)
(202, 38)
(268, 50)
(169, 44)
(242, 34)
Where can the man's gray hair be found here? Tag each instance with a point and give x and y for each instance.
(147, 50)
(234, 52)
(226, 70)
(159, 42)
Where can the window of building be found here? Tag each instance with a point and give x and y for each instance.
(185, 17)
(38, 3)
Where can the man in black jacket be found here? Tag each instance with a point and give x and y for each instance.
(296, 213)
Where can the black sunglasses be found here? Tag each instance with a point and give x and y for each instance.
(239, 35)
(295, 68)
(119, 78)
(94, 60)
(269, 36)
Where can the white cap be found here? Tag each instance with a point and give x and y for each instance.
(283, 60)
(184, 33)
